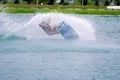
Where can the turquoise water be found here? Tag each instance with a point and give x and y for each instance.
(27, 53)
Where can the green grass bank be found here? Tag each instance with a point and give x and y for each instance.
(76, 9)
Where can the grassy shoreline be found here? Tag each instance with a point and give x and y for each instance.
(75, 9)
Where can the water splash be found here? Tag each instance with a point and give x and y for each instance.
(82, 27)
(9, 26)
(31, 29)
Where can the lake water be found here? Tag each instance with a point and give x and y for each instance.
(28, 53)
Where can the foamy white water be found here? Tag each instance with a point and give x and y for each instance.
(31, 29)
(81, 26)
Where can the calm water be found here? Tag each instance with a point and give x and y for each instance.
(27, 53)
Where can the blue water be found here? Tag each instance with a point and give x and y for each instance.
(27, 53)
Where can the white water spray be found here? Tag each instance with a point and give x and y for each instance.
(31, 30)
(81, 26)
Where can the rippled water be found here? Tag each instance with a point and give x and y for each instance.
(27, 53)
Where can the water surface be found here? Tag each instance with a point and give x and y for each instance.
(27, 53)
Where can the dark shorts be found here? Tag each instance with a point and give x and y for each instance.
(67, 31)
